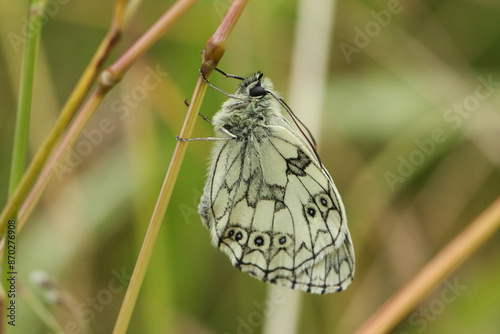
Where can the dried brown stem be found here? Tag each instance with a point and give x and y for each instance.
(403, 301)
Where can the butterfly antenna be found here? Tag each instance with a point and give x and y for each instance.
(220, 90)
(294, 118)
(227, 75)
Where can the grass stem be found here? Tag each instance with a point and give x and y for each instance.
(403, 301)
(214, 50)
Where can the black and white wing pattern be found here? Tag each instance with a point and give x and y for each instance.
(272, 208)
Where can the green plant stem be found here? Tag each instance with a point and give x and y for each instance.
(60, 152)
(108, 79)
(213, 52)
(69, 110)
(21, 133)
(403, 301)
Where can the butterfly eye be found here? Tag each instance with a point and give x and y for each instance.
(257, 90)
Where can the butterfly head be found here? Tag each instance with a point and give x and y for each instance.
(255, 87)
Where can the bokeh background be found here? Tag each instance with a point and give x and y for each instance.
(409, 129)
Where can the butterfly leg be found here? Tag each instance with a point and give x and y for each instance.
(200, 139)
(200, 114)
(231, 136)
(205, 118)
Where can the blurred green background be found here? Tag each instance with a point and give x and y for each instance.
(409, 131)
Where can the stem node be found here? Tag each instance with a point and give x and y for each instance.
(212, 54)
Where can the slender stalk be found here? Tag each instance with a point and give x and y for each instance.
(40, 309)
(214, 50)
(216, 45)
(150, 37)
(107, 80)
(60, 152)
(403, 301)
(21, 131)
(67, 113)
(158, 214)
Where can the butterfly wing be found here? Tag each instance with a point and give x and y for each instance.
(277, 214)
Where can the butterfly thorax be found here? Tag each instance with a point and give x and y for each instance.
(252, 120)
(250, 115)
